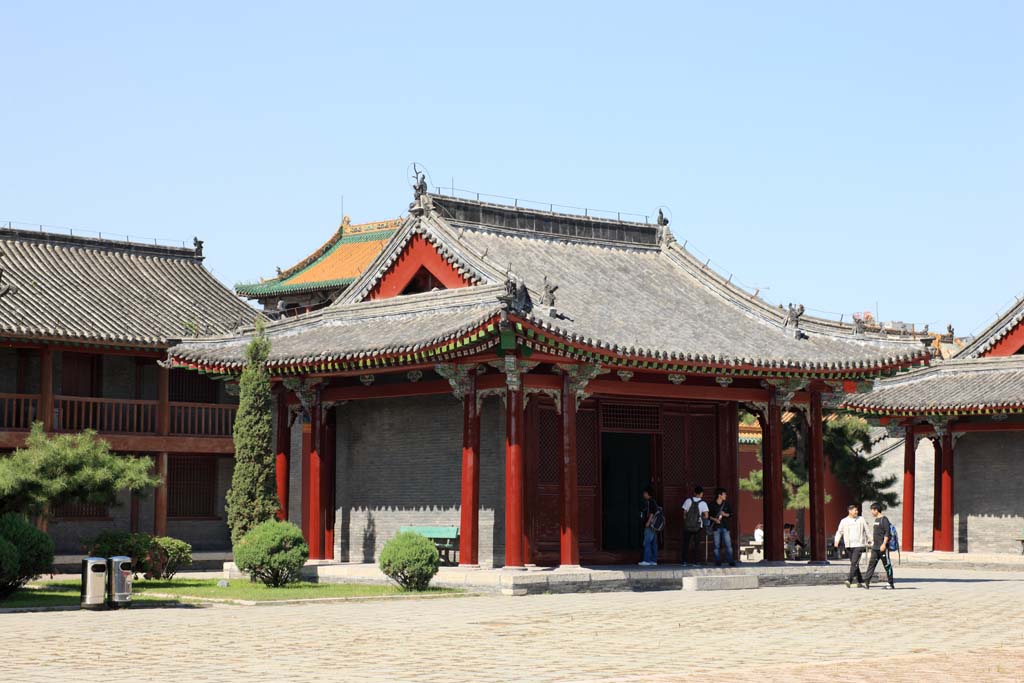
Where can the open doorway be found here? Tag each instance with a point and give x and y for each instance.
(625, 471)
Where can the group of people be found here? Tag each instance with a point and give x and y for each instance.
(700, 519)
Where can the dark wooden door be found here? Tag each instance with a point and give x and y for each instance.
(80, 375)
(625, 471)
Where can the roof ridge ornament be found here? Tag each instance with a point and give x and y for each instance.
(665, 235)
(421, 203)
(792, 319)
(197, 244)
(516, 298)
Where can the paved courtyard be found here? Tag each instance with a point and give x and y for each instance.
(941, 625)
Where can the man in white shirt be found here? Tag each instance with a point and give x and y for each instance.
(694, 522)
(759, 534)
(856, 535)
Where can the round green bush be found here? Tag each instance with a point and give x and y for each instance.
(34, 549)
(8, 562)
(411, 560)
(168, 555)
(272, 552)
(157, 557)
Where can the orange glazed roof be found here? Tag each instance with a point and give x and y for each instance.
(337, 263)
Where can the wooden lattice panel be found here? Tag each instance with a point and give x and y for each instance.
(630, 417)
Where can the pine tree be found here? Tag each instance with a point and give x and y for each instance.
(253, 497)
(848, 442)
(55, 470)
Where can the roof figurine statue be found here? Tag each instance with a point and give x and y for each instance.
(793, 315)
(859, 326)
(548, 298)
(421, 200)
(662, 221)
(198, 244)
(516, 298)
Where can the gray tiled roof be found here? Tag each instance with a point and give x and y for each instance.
(959, 386)
(995, 332)
(349, 332)
(82, 289)
(623, 288)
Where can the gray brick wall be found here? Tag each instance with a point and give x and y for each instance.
(399, 463)
(70, 535)
(988, 504)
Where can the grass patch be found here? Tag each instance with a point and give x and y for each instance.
(242, 589)
(59, 594)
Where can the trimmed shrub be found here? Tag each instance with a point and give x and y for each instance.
(8, 562)
(411, 560)
(153, 558)
(34, 552)
(272, 552)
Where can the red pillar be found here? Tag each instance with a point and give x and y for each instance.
(469, 531)
(163, 428)
(772, 480)
(160, 496)
(514, 531)
(937, 493)
(728, 462)
(46, 388)
(312, 519)
(909, 471)
(816, 476)
(569, 552)
(944, 500)
(284, 445)
(327, 477)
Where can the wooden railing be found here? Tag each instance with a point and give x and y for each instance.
(108, 415)
(18, 411)
(117, 416)
(202, 419)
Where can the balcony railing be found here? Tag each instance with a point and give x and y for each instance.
(202, 419)
(18, 411)
(117, 416)
(108, 415)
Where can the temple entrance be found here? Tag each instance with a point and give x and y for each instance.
(625, 471)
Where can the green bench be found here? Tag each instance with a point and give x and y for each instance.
(445, 538)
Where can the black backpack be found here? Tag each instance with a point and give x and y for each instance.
(658, 523)
(694, 523)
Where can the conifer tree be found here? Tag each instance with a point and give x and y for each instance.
(253, 498)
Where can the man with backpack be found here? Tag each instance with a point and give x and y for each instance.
(882, 537)
(854, 532)
(720, 512)
(695, 520)
(654, 521)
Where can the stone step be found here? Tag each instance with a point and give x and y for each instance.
(722, 582)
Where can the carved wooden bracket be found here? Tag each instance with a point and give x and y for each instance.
(579, 377)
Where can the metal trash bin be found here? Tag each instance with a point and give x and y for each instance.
(119, 582)
(94, 582)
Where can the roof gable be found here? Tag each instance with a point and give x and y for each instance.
(416, 255)
(1004, 337)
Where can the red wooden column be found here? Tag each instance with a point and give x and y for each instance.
(312, 520)
(514, 531)
(816, 476)
(469, 530)
(728, 463)
(163, 427)
(909, 472)
(46, 388)
(569, 542)
(284, 447)
(937, 492)
(944, 497)
(772, 479)
(327, 477)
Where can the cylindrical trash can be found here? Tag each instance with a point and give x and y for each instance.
(119, 582)
(94, 582)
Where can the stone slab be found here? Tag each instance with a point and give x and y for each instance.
(725, 582)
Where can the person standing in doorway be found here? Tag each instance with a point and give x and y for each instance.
(854, 533)
(720, 512)
(695, 519)
(880, 537)
(649, 511)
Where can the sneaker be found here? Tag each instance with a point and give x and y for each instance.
(892, 586)
(867, 585)
(848, 584)
(861, 585)
(645, 564)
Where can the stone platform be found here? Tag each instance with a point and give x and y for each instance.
(598, 579)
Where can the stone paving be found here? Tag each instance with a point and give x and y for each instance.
(941, 625)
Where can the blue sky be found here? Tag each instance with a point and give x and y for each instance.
(832, 155)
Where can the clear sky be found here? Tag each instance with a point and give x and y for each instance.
(830, 154)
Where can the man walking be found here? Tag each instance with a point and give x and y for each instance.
(649, 514)
(720, 512)
(695, 518)
(854, 532)
(880, 537)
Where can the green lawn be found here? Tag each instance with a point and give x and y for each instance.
(64, 593)
(243, 589)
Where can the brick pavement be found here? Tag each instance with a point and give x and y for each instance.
(943, 625)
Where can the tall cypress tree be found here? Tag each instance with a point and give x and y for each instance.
(253, 497)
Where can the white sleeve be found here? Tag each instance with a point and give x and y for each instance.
(703, 507)
(687, 503)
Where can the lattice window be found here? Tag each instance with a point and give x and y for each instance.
(673, 448)
(191, 486)
(586, 448)
(72, 511)
(704, 449)
(549, 447)
(629, 417)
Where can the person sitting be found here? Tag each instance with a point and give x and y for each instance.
(759, 534)
(792, 541)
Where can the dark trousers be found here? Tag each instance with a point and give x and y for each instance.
(691, 537)
(855, 574)
(873, 562)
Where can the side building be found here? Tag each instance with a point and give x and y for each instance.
(83, 324)
(961, 422)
